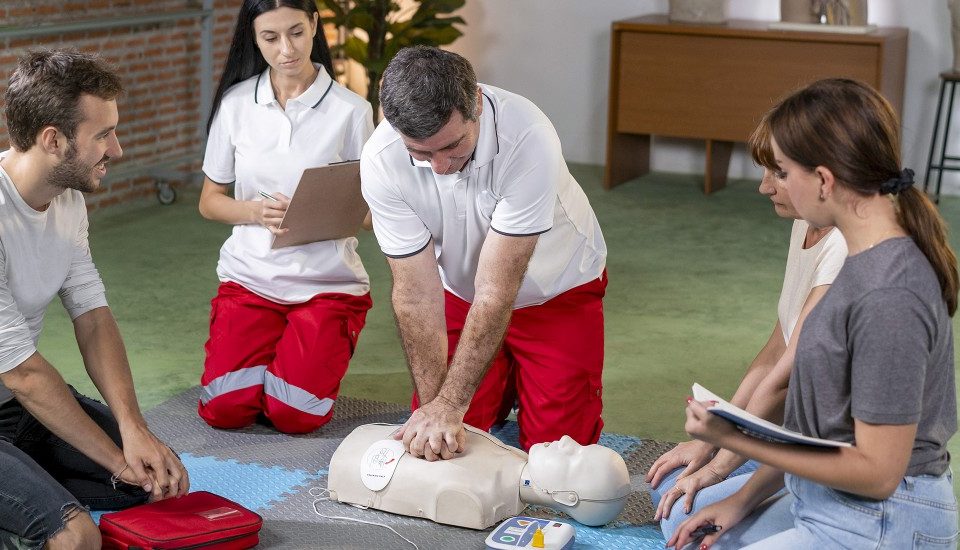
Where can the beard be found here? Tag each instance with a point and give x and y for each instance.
(72, 173)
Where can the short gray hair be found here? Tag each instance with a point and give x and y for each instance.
(422, 86)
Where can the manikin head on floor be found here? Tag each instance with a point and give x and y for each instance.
(589, 483)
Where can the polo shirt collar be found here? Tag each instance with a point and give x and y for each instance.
(311, 97)
(488, 143)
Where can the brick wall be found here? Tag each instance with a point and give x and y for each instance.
(160, 67)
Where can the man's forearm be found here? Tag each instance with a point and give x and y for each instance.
(423, 335)
(43, 393)
(106, 362)
(503, 263)
(480, 340)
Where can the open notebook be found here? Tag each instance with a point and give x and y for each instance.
(755, 426)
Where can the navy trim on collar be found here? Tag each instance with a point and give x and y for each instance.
(256, 89)
(329, 86)
(495, 129)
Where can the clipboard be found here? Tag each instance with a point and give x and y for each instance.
(326, 205)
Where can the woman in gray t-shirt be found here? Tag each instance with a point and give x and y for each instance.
(874, 365)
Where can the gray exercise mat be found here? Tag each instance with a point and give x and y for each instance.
(283, 477)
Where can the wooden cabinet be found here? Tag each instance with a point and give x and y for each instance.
(715, 82)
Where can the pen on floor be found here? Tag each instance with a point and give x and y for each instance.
(701, 532)
(268, 196)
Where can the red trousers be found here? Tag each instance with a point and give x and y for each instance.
(551, 361)
(285, 361)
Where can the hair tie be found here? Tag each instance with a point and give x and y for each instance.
(895, 185)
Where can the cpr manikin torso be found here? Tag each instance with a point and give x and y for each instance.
(487, 483)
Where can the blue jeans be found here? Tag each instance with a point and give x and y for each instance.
(705, 497)
(922, 513)
(45, 481)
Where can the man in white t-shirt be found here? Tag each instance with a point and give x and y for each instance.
(498, 261)
(60, 452)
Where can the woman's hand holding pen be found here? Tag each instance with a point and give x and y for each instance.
(709, 524)
(270, 211)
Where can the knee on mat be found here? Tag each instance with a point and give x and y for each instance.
(288, 420)
(221, 413)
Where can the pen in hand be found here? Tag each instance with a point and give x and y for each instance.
(268, 196)
(705, 530)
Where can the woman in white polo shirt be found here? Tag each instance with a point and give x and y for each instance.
(284, 323)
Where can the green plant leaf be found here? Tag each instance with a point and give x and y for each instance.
(429, 24)
(429, 9)
(379, 65)
(356, 49)
(435, 36)
(339, 15)
(360, 18)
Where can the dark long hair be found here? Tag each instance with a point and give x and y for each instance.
(244, 58)
(849, 128)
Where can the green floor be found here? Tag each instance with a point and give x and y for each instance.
(694, 282)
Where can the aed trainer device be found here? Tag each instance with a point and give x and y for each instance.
(529, 533)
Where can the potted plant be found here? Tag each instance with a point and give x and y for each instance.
(388, 27)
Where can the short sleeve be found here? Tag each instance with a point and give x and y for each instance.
(219, 159)
(891, 334)
(399, 230)
(832, 256)
(529, 184)
(82, 290)
(359, 134)
(16, 345)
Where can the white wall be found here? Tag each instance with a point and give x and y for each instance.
(557, 53)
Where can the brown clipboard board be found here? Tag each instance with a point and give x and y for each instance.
(326, 205)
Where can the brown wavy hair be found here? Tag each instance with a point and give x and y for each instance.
(849, 128)
(45, 90)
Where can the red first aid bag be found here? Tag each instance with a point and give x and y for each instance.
(196, 520)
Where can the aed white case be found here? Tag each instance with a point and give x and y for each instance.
(517, 532)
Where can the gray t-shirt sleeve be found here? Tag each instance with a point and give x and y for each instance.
(891, 332)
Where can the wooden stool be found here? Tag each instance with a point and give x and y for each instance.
(948, 79)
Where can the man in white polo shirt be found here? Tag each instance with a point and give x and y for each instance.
(498, 261)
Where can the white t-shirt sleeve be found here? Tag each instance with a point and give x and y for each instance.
(529, 183)
(15, 342)
(831, 259)
(399, 230)
(359, 134)
(219, 157)
(83, 289)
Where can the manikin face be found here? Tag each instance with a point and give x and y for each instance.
(449, 150)
(285, 38)
(591, 483)
(803, 187)
(566, 465)
(94, 144)
(771, 188)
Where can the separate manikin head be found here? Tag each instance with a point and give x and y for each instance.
(590, 483)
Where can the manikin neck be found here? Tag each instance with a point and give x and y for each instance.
(529, 493)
